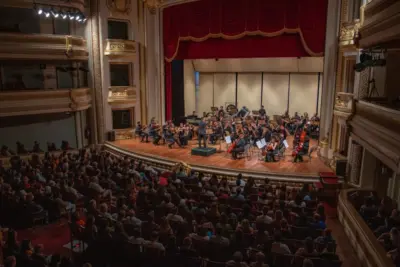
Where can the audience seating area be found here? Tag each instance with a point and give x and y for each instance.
(130, 214)
(383, 218)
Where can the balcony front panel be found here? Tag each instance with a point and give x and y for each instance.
(343, 105)
(377, 128)
(122, 95)
(116, 48)
(70, 4)
(381, 24)
(42, 47)
(30, 102)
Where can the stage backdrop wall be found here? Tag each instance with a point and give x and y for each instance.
(278, 92)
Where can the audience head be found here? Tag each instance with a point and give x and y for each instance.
(237, 257)
(308, 263)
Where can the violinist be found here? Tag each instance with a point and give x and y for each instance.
(239, 146)
(183, 138)
(269, 157)
(170, 138)
(147, 132)
(138, 129)
(315, 117)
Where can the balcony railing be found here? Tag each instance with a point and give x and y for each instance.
(344, 102)
(122, 95)
(31, 102)
(118, 48)
(42, 47)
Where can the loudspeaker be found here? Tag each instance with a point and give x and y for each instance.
(341, 167)
(111, 136)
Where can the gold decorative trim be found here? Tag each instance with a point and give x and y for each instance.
(42, 46)
(153, 5)
(122, 95)
(124, 134)
(349, 33)
(16, 103)
(116, 48)
(119, 6)
(243, 34)
(344, 102)
(70, 4)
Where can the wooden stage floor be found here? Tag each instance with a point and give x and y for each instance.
(223, 160)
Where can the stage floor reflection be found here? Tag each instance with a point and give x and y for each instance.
(224, 160)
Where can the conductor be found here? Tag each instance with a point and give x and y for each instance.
(202, 132)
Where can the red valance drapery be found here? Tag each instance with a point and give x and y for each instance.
(242, 29)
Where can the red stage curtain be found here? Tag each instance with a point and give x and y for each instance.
(243, 29)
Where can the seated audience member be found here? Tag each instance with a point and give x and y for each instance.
(308, 263)
(368, 210)
(154, 243)
(308, 249)
(260, 259)
(329, 253)
(278, 246)
(317, 222)
(237, 260)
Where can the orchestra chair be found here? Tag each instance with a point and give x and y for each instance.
(310, 152)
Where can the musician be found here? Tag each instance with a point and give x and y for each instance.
(217, 132)
(271, 150)
(202, 134)
(315, 117)
(193, 116)
(169, 137)
(138, 129)
(262, 111)
(301, 149)
(148, 132)
(221, 112)
(239, 146)
(243, 112)
(183, 138)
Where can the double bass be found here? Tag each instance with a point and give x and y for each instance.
(232, 146)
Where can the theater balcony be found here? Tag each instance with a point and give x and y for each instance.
(30, 102)
(119, 48)
(377, 128)
(121, 95)
(42, 47)
(381, 24)
(70, 4)
(369, 251)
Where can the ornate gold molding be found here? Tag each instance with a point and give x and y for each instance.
(42, 47)
(122, 95)
(152, 5)
(349, 33)
(116, 48)
(28, 102)
(119, 7)
(344, 102)
(70, 4)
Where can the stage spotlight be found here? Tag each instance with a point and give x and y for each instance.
(78, 17)
(63, 15)
(71, 16)
(55, 14)
(40, 11)
(47, 14)
(84, 20)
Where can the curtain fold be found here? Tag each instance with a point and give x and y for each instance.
(242, 20)
(253, 28)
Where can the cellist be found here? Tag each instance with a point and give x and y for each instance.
(238, 146)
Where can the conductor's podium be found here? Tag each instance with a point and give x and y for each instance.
(203, 151)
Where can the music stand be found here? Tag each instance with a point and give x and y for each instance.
(228, 141)
(260, 146)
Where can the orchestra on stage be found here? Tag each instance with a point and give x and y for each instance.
(240, 130)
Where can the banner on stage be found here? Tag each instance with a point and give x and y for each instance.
(228, 139)
(285, 143)
(260, 145)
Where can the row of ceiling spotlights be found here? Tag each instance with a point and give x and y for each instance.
(71, 15)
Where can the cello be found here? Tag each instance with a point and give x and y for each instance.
(233, 145)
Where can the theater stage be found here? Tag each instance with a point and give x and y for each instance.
(221, 163)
